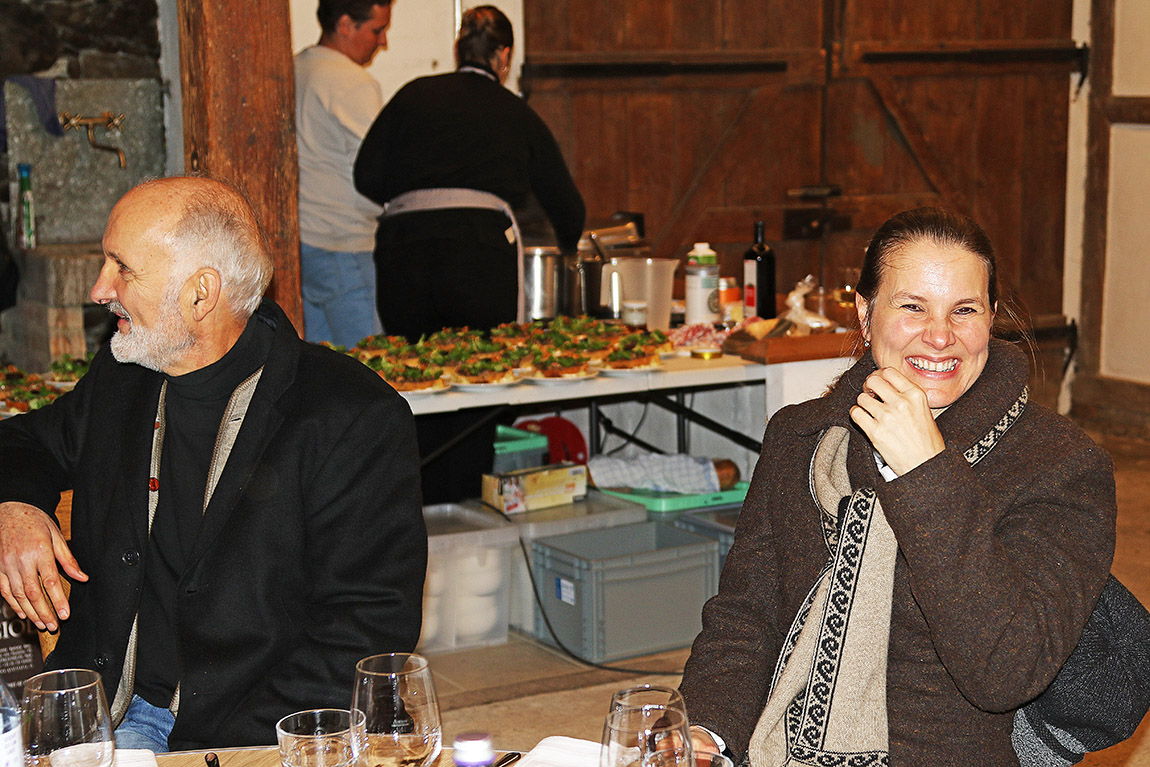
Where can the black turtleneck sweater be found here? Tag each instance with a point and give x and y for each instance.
(194, 408)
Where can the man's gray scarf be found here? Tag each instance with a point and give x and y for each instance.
(827, 705)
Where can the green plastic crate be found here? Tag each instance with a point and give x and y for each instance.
(660, 501)
(518, 449)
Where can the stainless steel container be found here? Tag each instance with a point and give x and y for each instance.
(543, 282)
(581, 291)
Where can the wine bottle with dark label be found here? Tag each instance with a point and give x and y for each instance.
(759, 277)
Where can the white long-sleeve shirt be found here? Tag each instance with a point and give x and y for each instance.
(336, 101)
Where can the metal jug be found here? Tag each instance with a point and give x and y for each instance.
(543, 280)
(582, 273)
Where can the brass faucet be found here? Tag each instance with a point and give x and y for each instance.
(106, 120)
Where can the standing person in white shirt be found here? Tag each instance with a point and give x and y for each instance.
(336, 101)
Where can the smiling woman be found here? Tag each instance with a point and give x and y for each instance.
(919, 549)
(926, 300)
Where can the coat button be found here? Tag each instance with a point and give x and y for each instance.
(101, 661)
(131, 557)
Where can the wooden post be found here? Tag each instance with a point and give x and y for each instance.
(239, 118)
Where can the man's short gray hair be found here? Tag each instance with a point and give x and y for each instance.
(219, 230)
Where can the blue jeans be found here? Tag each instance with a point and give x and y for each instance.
(338, 295)
(145, 726)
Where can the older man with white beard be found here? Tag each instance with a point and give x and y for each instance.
(246, 518)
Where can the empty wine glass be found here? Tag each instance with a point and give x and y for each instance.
(646, 736)
(66, 721)
(317, 738)
(399, 723)
(647, 695)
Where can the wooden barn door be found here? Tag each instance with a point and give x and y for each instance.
(708, 116)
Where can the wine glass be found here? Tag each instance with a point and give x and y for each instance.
(397, 723)
(66, 721)
(646, 695)
(317, 738)
(646, 736)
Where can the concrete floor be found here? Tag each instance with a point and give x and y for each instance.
(523, 691)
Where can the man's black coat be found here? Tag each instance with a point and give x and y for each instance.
(311, 554)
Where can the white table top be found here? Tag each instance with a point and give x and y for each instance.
(676, 372)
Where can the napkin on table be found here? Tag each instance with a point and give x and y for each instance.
(133, 757)
(561, 751)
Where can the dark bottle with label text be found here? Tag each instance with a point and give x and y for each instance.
(759, 277)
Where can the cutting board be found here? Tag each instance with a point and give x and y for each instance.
(794, 348)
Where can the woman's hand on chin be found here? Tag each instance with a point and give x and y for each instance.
(895, 416)
(702, 742)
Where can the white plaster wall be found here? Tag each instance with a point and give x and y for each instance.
(419, 41)
(1123, 349)
(1076, 172)
(1075, 190)
(1131, 31)
(1127, 281)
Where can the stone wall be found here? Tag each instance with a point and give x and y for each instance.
(71, 39)
(79, 38)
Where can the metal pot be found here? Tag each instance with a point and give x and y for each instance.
(581, 292)
(543, 282)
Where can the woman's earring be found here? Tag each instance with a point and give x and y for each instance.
(866, 342)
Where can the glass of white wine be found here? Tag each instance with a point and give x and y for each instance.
(394, 712)
(646, 736)
(66, 721)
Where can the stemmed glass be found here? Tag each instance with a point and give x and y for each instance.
(646, 736)
(398, 714)
(66, 721)
(646, 695)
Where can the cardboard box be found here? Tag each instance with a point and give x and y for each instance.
(535, 488)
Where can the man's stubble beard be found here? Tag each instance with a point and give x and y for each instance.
(155, 348)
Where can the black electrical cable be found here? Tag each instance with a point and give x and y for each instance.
(630, 439)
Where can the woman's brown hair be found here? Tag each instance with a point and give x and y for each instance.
(936, 225)
(484, 30)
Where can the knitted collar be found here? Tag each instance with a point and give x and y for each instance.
(964, 422)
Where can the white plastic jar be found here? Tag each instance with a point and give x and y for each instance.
(702, 289)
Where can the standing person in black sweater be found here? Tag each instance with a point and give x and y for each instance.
(453, 262)
(451, 158)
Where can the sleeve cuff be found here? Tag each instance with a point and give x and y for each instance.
(722, 744)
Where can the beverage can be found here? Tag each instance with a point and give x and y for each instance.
(728, 290)
(730, 301)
